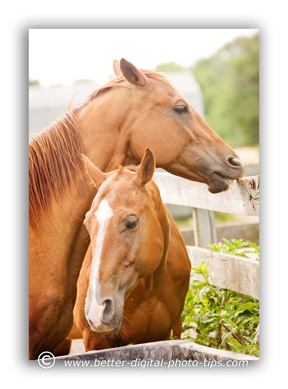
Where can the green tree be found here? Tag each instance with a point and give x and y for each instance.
(169, 67)
(230, 86)
(34, 82)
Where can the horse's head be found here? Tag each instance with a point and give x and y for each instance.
(139, 109)
(126, 240)
(182, 141)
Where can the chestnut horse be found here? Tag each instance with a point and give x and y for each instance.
(135, 277)
(135, 110)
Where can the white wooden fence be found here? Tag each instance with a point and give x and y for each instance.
(230, 271)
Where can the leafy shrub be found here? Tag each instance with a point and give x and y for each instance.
(218, 317)
(236, 247)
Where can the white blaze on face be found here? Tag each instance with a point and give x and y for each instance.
(93, 307)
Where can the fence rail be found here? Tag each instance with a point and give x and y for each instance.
(230, 271)
(242, 198)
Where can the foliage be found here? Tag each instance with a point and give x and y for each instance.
(236, 247)
(220, 318)
(34, 82)
(169, 67)
(230, 86)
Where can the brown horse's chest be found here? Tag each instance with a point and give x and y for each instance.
(151, 315)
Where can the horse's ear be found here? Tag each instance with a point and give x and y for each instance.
(131, 73)
(96, 175)
(146, 168)
(116, 67)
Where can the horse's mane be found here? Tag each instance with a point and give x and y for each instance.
(54, 157)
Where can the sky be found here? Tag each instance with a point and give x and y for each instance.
(61, 56)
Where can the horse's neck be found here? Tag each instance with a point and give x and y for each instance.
(156, 278)
(68, 214)
(103, 128)
(163, 218)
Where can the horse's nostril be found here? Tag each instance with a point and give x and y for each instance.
(108, 310)
(234, 161)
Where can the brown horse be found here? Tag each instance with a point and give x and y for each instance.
(137, 109)
(135, 277)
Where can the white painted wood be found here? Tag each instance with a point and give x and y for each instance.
(235, 230)
(204, 227)
(230, 271)
(242, 198)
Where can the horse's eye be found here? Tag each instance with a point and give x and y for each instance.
(180, 108)
(131, 222)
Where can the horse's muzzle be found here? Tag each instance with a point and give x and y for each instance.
(106, 319)
(220, 178)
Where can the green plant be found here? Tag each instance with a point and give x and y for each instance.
(236, 247)
(217, 317)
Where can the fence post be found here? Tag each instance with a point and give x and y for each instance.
(204, 227)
